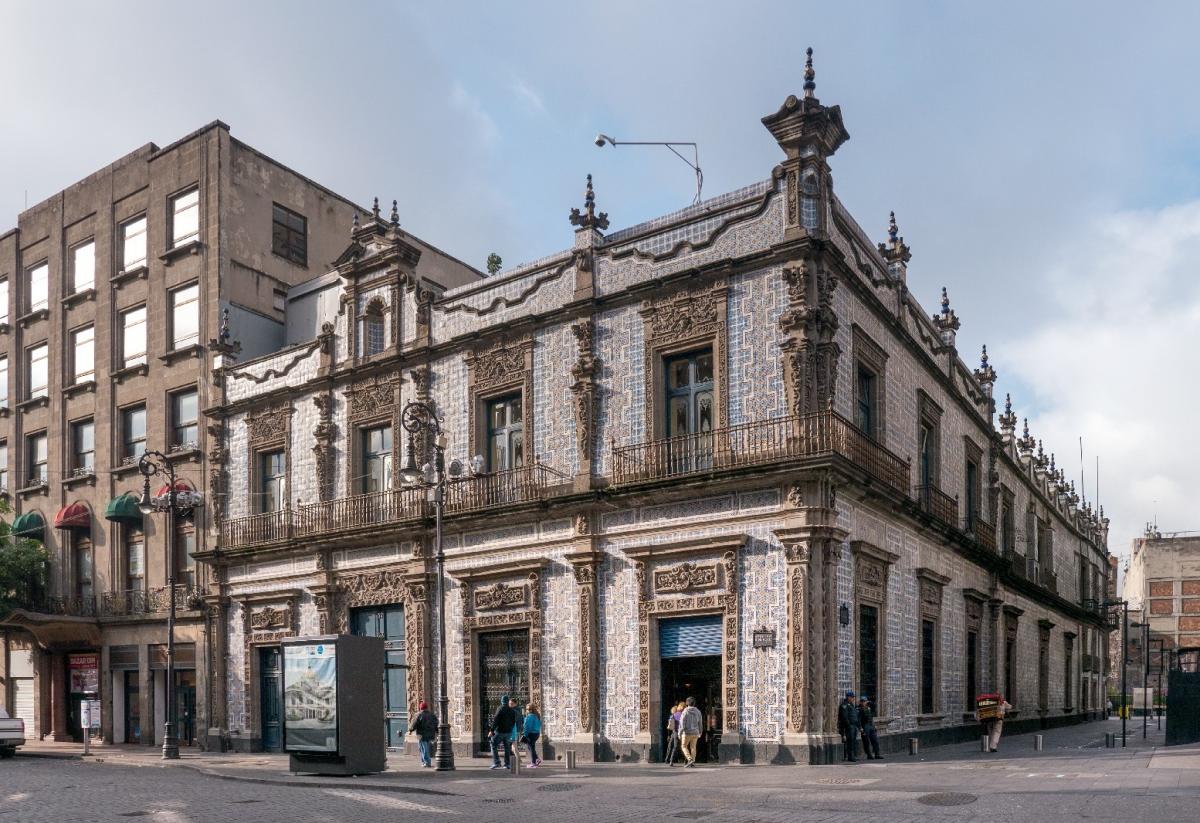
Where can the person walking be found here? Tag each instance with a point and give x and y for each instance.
(995, 725)
(532, 730)
(848, 727)
(425, 726)
(691, 723)
(673, 732)
(500, 735)
(870, 737)
(518, 726)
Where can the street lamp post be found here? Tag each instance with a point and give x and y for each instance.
(1161, 641)
(150, 464)
(420, 419)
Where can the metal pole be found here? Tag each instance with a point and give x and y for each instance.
(1124, 668)
(1146, 676)
(444, 755)
(170, 747)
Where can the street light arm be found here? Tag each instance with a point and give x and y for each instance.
(670, 144)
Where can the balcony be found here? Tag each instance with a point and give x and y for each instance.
(983, 532)
(936, 502)
(64, 606)
(389, 508)
(134, 602)
(762, 443)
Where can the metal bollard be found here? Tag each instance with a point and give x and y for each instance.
(983, 743)
(515, 765)
(570, 761)
(1110, 740)
(914, 745)
(1037, 742)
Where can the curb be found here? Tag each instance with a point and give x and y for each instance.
(50, 755)
(317, 784)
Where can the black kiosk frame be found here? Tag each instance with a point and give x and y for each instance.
(333, 704)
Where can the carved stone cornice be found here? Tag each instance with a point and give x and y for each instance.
(372, 398)
(683, 316)
(501, 595)
(503, 363)
(687, 576)
(269, 426)
(690, 546)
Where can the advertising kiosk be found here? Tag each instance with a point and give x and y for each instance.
(333, 704)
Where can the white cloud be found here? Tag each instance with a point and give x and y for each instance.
(528, 95)
(470, 105)
(1115, 361)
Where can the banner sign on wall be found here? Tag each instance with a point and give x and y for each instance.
(85, 673)
(310, 697)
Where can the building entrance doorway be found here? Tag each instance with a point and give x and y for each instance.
(503, 670)
(133, 706)
(690, 666)
(270, 668)
(388, 622)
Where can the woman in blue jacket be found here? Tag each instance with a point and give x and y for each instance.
(532, 731)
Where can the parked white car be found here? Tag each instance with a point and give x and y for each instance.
(12, 734)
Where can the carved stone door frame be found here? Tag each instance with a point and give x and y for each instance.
(268, 618)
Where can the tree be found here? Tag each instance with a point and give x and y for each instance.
(24, 569)
(494, 263)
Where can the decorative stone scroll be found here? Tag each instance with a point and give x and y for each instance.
(500, 368)
(270, 618)
(585, 565)
(501, 596)
(685, 577)
(931, 584)
(723, 602)
(372, 398)
(269, 426)
(809, 326)
(323, 435)
(586, 367)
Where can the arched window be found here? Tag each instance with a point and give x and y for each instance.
(373, 329)
(809, 216)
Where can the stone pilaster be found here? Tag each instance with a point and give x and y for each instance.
(586, 565)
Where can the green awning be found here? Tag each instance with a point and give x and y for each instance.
(31, 525)
(124, 509)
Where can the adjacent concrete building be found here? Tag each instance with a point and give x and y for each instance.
(724, 453)
(1162, 581)
(118, 297)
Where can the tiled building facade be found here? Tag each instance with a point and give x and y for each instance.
(751, 468)
(118, 297)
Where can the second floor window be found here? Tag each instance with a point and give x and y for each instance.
(272, 481)
(377, 459)
(83, 566)
(83, 442)
(3, 381)
(4, 301)
(184, 420)
(866, 401)
(39, 370)
(185, 217)
(37, 460)
(185, 316)
(4, 466)
(133, 244)
(133, 337)
(506, 434)
(185, 564)
(39, 287)
(83, 354)
(972, 490)
(289, 235)
(927, 454)
(373, 332)
(690, 394)
(83, 267)
(133, 432)
(135, 560)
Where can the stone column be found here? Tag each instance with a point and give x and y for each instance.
(216, 612)
(586, 566)
(58, 698)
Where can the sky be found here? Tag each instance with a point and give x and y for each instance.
(1042, 158)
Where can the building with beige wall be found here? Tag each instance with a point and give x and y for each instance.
(1162, 581)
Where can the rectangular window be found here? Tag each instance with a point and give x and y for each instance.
(185, 316)
(185, 415)
(83, 567)
(38, 280)
(4, 301)
(272, 474)
(4, 466)
(83, 267)
(289, 235)
(506, 434)
(133, 433)
(39, 370)
(36, 460)
(83, 354)
(866, 401)
(972, 669)
(133, 244)
(972, 493)
(4, 381)
(135, 560)
(1010, 671)
(868, 652)
(926, 450)
(133, 337)
(185, 217)
(377, 459)
(83, 445)
(185, 564)
(1069, 673)
(928, 634)
(690, 394)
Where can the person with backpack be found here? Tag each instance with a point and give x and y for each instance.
(673, 732)
(425, 726)
(500, 735)
(532, 731)
(691, 723)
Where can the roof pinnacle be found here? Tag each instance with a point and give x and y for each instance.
(810, 74)
(588, 218)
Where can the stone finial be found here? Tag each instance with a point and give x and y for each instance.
(947, 322)
(588, 218)
(893, 229)
(354, 227)
(945, 302)
(810, 76)
(894, 251)
(1026, 442)
(375, 209)
(224, 334)
(395, 215)
(1008, 420)
(1053, 470)
(985, 374)
(1040, 458)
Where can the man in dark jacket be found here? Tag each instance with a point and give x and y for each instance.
(501, 734)
(848, 727)
(870, 737)
(425, 726)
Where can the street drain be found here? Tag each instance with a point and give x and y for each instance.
(134, 814)
(844, 781)
(947, 799)
(692, 815)
(497, 800)
(245, 801)
(558, 787)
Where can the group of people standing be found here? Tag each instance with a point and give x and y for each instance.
(857, 719)
(684, 727)
(510, 727)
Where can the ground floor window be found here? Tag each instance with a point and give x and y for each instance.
(928, 662)
(868, 652)
(388, 622)
(972, 669)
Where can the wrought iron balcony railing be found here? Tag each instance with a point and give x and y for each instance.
(150, 601)
(521, 485)
(83, 606)
(761, 443)
(936, 502)
(983, 532)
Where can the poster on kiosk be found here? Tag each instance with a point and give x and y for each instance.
(310, 697)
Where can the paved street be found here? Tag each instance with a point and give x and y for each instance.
(1073, 778)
